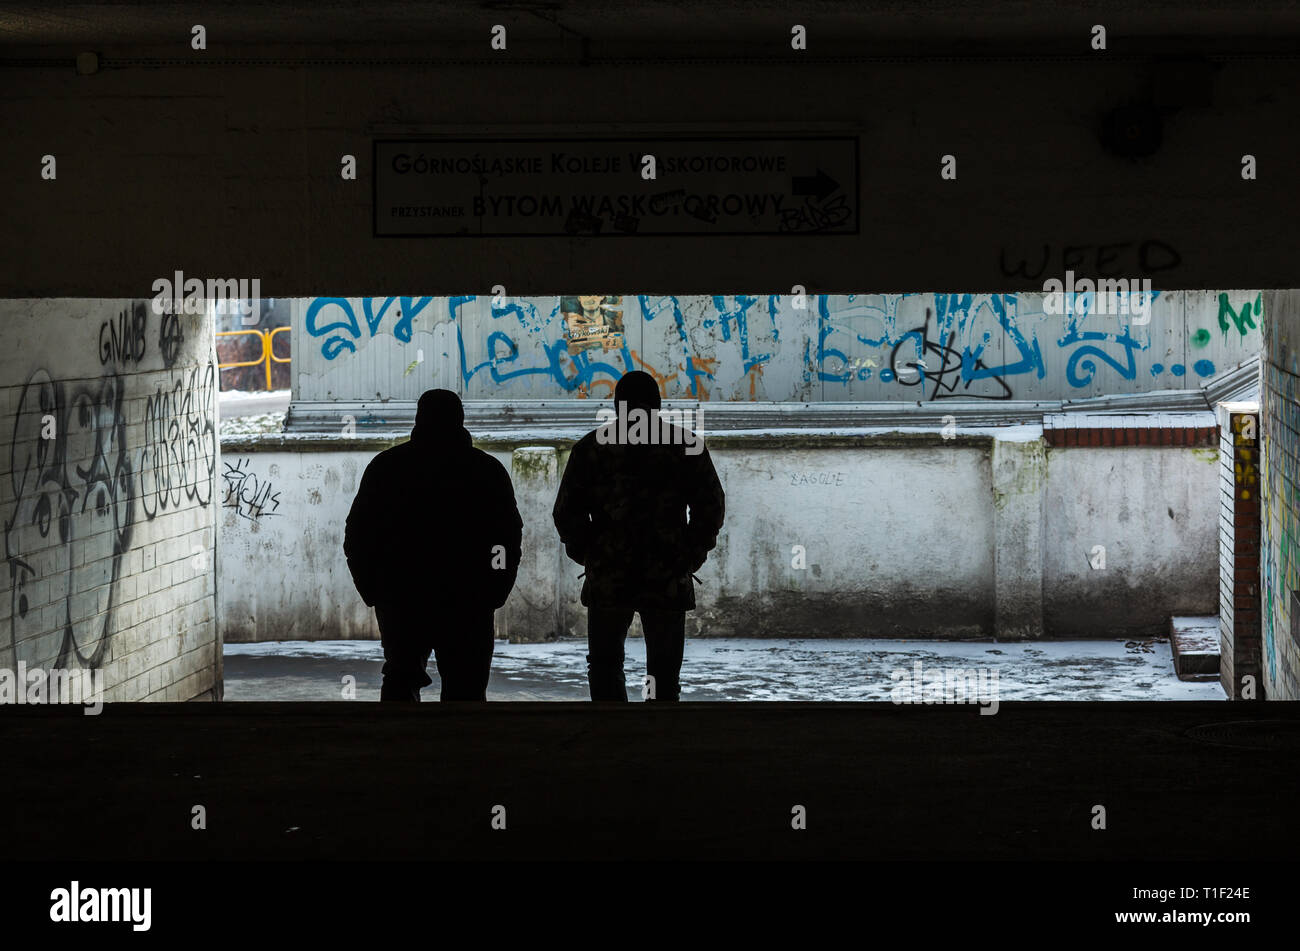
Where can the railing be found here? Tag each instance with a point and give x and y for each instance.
(268, 350)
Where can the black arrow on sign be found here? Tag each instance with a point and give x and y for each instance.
(820, 184)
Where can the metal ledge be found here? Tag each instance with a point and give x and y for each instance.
(572, 417)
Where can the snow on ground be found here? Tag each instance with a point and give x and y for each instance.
(742, 669)
(253, 424)
(245, 413)
(272, 395)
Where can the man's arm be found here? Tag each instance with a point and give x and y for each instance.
(571, 513)
(707, 504)
(508, 533)
(359, 534)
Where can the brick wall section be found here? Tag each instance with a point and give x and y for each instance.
(1194, 430)
(1280, 477)
(107, 481)
(1240, 646)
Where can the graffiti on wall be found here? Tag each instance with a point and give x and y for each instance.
(75, 479)
(250, 497)
(853, 347)
(1105, 259)
(1243, 320)
(1279, 485)
(122, 340)
(335, 319)
(72, 516)
(951, 371)
(978, 345)
(179, 445)
(171, 338)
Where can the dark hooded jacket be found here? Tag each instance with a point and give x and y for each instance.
(622, 512)
(434, 525)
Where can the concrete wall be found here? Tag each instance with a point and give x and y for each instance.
(1155, 512)
(860, 347)
(903, 534)
(107, 484)
(1280, 483)
(283, 574)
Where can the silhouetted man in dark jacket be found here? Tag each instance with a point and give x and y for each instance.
(622, 512)
(433, 543)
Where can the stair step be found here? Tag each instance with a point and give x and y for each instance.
(1195, 645)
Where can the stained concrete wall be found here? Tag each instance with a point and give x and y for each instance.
(862, 347)
(904, 534)
(107, 483)
(1155, 514)
(283, 574)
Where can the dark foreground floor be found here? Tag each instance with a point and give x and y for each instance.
(707, 780)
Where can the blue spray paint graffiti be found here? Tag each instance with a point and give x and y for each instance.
(408, 309)
(870, 346)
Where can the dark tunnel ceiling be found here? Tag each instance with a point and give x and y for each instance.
(877, 27)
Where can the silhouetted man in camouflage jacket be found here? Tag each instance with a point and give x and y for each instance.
(622, 512)
(433, 542)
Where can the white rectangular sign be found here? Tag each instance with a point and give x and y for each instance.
(758, 185)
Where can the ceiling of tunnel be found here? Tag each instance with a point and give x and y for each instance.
(655, 27)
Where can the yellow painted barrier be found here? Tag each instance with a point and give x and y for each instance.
(268, 350)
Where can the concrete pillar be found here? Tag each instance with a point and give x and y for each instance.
(1019, 487)
(1279, 485)
(532, 613)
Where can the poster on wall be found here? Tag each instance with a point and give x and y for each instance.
(593, 322)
